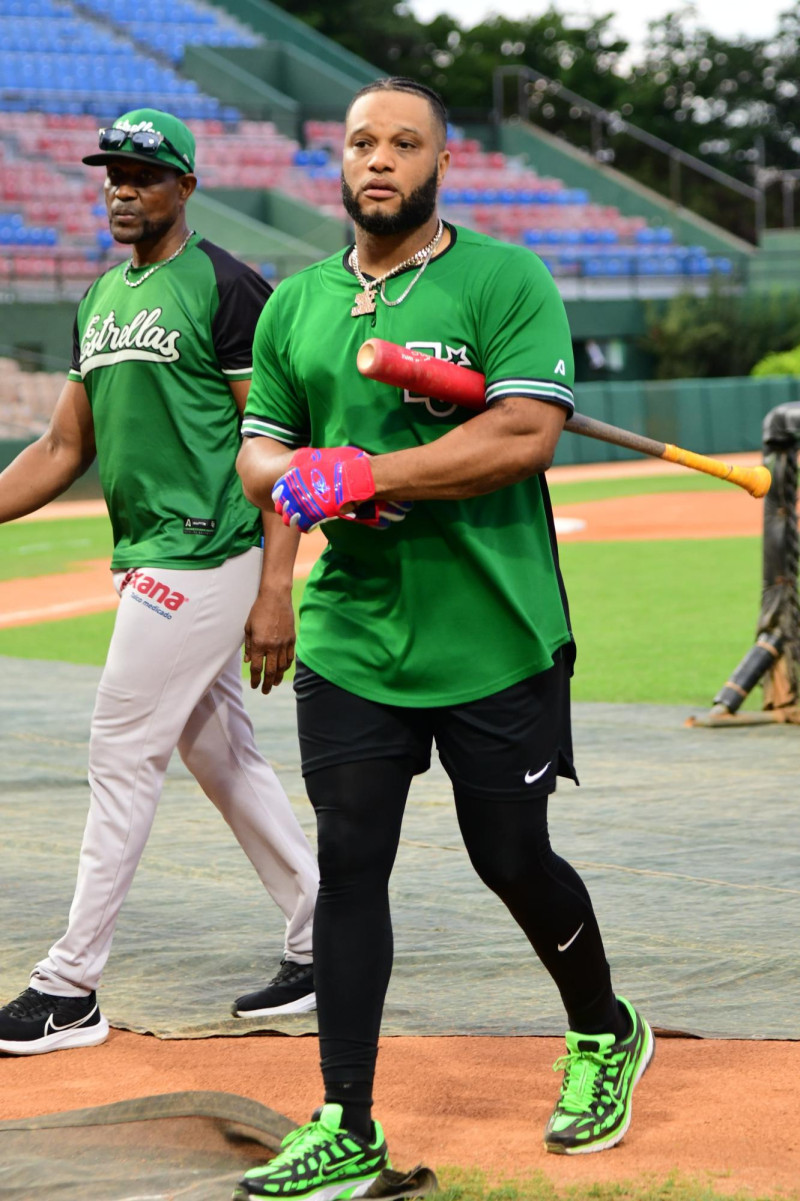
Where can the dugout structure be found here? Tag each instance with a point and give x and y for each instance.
(775, 657)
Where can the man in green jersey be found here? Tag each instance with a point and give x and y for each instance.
(160, 372)
(449, 626)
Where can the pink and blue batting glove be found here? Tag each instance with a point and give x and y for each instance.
(381, 514)
(320, 483)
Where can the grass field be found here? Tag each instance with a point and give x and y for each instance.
(677, 481)
(29, 548)
(458, 1185)
(662, 622)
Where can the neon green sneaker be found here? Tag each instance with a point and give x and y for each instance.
(594, 1107)
(319, 1162)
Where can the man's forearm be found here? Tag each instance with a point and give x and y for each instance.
(39, 474)
(502, 446)
(280, 551)
(261, 462)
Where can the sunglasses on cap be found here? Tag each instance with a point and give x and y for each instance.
(145, 141)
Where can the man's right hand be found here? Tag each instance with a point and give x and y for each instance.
(380, 514)
(322, 483)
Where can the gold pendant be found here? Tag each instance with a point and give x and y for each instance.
(365, 303)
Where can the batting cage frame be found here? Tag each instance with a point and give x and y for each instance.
(775, 657)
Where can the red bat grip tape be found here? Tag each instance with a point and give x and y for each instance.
(421, 373)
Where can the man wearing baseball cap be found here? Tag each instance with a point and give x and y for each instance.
(161, 366)
(147, 135)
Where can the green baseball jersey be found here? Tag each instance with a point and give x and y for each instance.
(156, 361)
(462, 598)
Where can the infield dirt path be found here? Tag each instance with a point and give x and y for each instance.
(718, 1110)
(722, 1111)
(730, 513)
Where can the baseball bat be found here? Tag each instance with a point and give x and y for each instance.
(428, 376)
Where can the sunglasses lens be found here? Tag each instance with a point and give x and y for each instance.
(148, 142)
(112, 139)
(143, 140)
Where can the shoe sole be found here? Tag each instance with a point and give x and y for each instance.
(86, 1036)
(341, 1191)
(618, 1135)
(303, 1005)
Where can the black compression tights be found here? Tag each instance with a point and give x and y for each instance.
(359, 808)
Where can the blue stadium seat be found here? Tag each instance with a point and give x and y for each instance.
(696, 264)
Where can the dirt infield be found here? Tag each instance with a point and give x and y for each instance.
(718, 1110)
(730, 513)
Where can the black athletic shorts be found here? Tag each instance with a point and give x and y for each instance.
(508, 746)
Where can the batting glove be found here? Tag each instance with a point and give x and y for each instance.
(381, 514)
(320, 483)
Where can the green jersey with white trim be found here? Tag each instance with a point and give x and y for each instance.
(157, 361)
(462, 598)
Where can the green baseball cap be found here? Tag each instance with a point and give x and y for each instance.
(147, 135)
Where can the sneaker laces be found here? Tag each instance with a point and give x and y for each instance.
(289, 971)
(584, 1077)
(301, 1141)
(28, 1004)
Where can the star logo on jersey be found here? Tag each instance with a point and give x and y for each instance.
(457, 355)
(450, 354)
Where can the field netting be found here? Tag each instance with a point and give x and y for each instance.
(687, 840)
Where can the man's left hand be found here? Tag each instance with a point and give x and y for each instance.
(322, 484)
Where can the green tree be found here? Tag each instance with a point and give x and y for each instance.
(722, 334)
(731, 102)
(785, 363)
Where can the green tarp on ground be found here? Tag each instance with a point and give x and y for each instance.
(687, 839)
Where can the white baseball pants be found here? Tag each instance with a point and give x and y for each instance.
(172, 678)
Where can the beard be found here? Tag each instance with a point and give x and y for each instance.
(415, 209)
(148, 231)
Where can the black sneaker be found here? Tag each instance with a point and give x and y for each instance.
(290, 991)
(36, 1022)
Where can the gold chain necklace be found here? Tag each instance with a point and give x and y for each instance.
(156, 266)
(365, 300)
